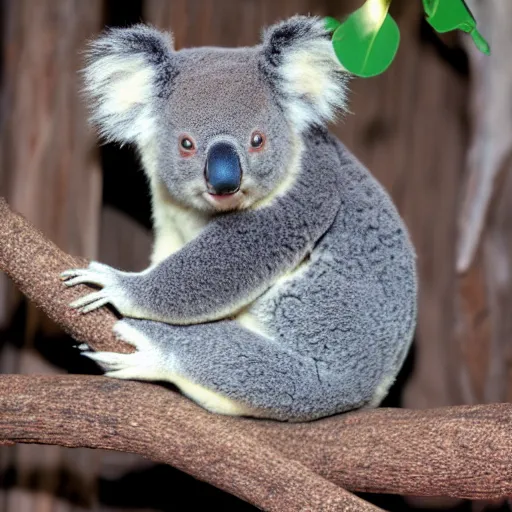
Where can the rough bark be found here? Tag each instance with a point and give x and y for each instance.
(459, 451)
(34, 264)
(154, 422)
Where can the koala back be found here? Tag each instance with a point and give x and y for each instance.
(351, 306)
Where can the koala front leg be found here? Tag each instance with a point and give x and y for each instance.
(235, 259)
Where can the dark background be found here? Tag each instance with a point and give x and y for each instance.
(413, 127)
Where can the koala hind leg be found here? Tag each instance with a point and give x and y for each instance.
(220, 365)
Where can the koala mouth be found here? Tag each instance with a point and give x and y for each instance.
(222, 197)
(225, 202)
(221, 193)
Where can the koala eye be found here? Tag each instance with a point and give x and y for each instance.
(257, 140)
(187, 146)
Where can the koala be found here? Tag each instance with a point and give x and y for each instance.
(282, 282)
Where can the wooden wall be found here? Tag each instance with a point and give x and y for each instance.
(411, 127)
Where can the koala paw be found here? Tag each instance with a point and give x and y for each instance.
(144, 364)
(102, 275)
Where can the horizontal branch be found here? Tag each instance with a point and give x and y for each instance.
(96, 412)
(459, 451)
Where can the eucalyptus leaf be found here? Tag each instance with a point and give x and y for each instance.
(447, 15)
(480, 42)
(430, 6)
(331, 24)
(366, 42)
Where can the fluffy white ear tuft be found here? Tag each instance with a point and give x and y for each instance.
(127, 71)
(299, 60)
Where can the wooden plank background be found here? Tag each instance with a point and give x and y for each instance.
(412, 126)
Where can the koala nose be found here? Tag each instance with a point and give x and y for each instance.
(223, 172)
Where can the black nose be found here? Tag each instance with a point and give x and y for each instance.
(223, 172)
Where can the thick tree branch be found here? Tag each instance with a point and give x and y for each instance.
(459, 451)
(34, 263)
(462, 451)
(96, 412)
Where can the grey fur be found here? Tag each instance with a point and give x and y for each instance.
(326, 267)
(142, 45)
(221, 96)
(300, 33)
(239, 254)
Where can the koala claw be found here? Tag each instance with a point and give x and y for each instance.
(118, 366)
(100, 275)
(91, 302)
(144, 364)
(96, 273)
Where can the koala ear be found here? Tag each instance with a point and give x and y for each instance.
(299, 60)
(127, 71)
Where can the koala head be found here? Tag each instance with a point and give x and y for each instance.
(220, 128)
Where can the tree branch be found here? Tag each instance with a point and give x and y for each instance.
(458, 451)
(34, 263)
(97, 412)
(461, 451)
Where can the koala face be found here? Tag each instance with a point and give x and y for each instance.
(223, 141)
(221, 128)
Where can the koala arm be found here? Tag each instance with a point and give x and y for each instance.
(235, 258)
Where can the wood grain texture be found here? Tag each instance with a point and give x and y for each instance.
(228, 22)
(456, 451)
(34, 263)
(156, 423)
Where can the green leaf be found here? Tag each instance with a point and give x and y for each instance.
(331, 24)
(480, 42)
(430, 6)
(367, 41)
(447, 15)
